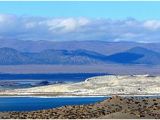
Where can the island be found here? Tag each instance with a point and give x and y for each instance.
(107, 85)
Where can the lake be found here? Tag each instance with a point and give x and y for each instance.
(12, 81)
(37, 103)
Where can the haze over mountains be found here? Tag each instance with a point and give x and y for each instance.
(13, 52)
(102, 47)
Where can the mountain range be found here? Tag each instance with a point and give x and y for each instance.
(135, 55)
(102, 47)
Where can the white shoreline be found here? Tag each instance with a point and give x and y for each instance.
(156, 95)
(54, 96)
(99, 86)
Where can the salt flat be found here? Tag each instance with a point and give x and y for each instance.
(101, 85)
(117, 69)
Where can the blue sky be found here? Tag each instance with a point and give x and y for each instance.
(65, 21)
(113, 10)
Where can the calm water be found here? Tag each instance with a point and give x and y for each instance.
(12, 81)
(33, 103)
(53, 77)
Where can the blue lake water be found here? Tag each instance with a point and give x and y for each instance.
(12, 81)
(35, 103)
(53, 77)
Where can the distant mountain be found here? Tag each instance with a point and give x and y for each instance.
(102, 47)
(149, 56)
(125, 57)
(136, 55)
(9, 56)
(12, 56)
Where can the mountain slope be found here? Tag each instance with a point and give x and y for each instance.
(149, 56)
(136, 55)
(102, 47)
(125, 57)
(11, 56)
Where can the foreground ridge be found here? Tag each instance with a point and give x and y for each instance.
(113, 107)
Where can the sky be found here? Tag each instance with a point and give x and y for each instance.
(61, 21)
(113, 10)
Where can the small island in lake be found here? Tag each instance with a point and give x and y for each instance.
(96, 86)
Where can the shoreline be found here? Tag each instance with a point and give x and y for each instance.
(107, 96)
(99, 86)
(115, 107)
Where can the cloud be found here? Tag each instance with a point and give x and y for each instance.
(59, 29)
(152, 24)
(66, 25)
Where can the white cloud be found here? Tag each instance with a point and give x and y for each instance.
(66, 25)
(4, 18)
(30, 25)
(152, 24)
(38, 28)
